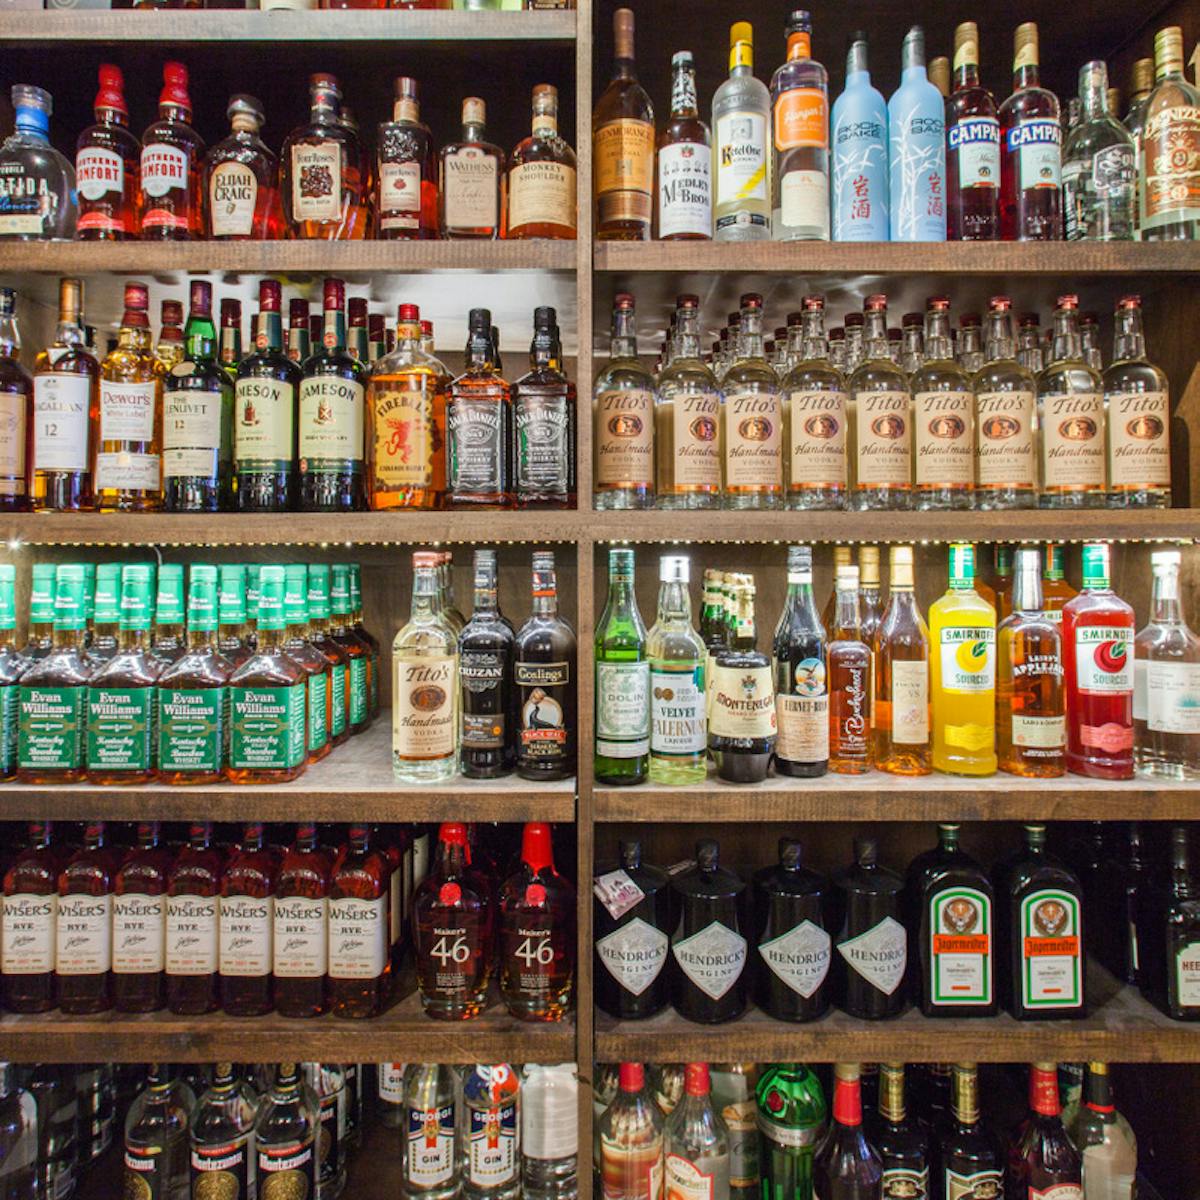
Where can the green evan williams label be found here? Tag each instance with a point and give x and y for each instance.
(317, 712)
(51, 727)
(8, 728)
(268, 727)
(120, 728)
(337, 697)
(191, 729)
(358, 691)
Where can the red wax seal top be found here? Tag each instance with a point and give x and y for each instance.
(427, 328)
(535, 846)
(408, 313)
(847, 1101)
(695, 1079)
(335, 293)
(449, 893)
(270, 295)
(774, 1100)
(535, 895)
(632, 1077)
(137, 297)
(112, 89)
(453, 833)
(175, 86)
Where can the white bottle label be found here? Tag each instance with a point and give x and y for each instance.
(60, 422)
(634, 954)
(492, 1157)
(962, 963)
(163, 168)
(741, 156)
(712, 959)
(139, 934)
(968, 654)
(192, 935)
(677, 725)
(977, 140)
(879, 955)
(617, 892)
(84, 935)
(400, 195)
(301, 937)
(470, 197)
(1187, 974)
(99, 171)
(622, 709)
(127, 411)
(191, 432)
(1104, 659)
(799, 957)
(686, 1181)
(1037, 142)
(232, 197)
(1172, 696)
(358, 932)
(1139, 444)
(804, 201)
(125, 470)
(247, 923)
(1051, 950)
(391, 1081)
(910, 702)
(28, 934)
(549, 1112)
(429, 1145)
(685, 190)
(317, 182)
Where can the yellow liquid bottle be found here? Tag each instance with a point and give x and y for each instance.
(962, 636)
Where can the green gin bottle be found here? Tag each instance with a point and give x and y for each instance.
(791, 1120)
(622, 681)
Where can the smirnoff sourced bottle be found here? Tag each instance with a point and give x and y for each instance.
(902, 1140)
(432, 1161)
(491, 1159)
(847, 1166)
(801, 687)
(859, 144)
(916, 150)
(791, 1120)
(973, 148)
(629, 1140)
(696, 1142)
(1042, 1161)
(971, 1158)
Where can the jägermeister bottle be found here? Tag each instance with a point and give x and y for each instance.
(791, 1120)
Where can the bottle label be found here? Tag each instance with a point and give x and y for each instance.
(317, 182)
(12, 443)
(1114, 170)
(910, 702)
(804, 201)
(543, 723)
(801, 119)
(232, 199)
(860, 183)
(99, 172)
(741, 158)
(1039, 733)
(470, 195)
(879, 955)
(803, 722)
(541, 193)
(124, 471)
(9, 707)
(634, 955)
(753, 444)
(545, 440)
(144, 1172)
(400, 195)
(1167, 695)
(976, 141)
(84, 935)
(139, 934)
(300, 945)
(968, 654)
(289, 1170)
(165, 174)
(492, 1158)
(318, 712)
(391, 1082)
(625, 439)
(1139, 449)
(191, 433)
(424, 709)
(51, 727)
(121, 728)
(817, 454)
(741, 1118)
(1187, 975)
(686, 1181)
(882, 447)
(231, 1162)
(622, 709)
(481, 674)
(265, 428)
(977, 1184)
(800, 957)
(267, 727)
(743, 702)
(1073, 440)
(331, 422)
(685, 190)
(617, 892)
(192, 728)
(192, 935)
(1005, 453)
(358, 937)
(127, 411)
(1037, 142)
(1057, 1191)
(1051, 954)
(1171, 166)
(1104, 659)
(528, 956)
(695, 440)
(478, 443)
(904, 1181)
(28, 944)
(358, 690)
(450, 951)
(429, 1146)
(677, 722)
(404, 433)
(960, 922)
(945, 429)
(713, 958)
(789, 1136)
(623, 153)
(246, 926)
(918, 157)
(60, 422)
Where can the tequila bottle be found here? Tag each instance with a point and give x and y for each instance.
(286, 1132)
(39, 201)
(1099, 181)
(900, 713)
(622, 680)
(1169, 209)
(156, 1137)
(751, 420)
(221, 1133)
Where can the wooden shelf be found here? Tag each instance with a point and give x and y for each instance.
(1123, 1027)
(354, 783)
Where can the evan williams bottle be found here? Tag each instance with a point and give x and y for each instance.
(140, 924)
(301, 944)
(358, 928)
(193, 924)
(83, 960)
(247, 920)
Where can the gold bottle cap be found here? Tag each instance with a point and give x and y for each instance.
(966, 45)
(938, 72)
(474, 111)
(841, 556)
(1142, 78)
(900, 567)
(741, 44)
(1114, 101)
(868, 562)
(70, 299)
(623, 33)
(1168, 51)
(848, 1072)
(1025, 46)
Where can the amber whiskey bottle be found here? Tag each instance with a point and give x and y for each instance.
(140, 924)
(83, 961)
(342, 630)
(170, 629)
(233, 624)
(247, 901)
(267, 737)
(335, 655)
(301, 943)
(193, 924)
(316, 667)
(30, 911)
(367, 637)
(359, 966)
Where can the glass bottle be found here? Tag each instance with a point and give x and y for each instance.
(156, 1137)
(973, 147)
(847, 1166)
(696, 1141)
(859, 129)
(234, 631)
(751, 420)
(1168, 209)
(83, 957)
(432, 1157)
(170, 194)
(901, 1140)
(169, 639)
(1141, 84)
(622, 681)
(321, 639)
(39, 202)
(107, 166)
(1168, 935)
(684, 162)
(300, 941)
(490, 1144)
(193, 924)
(221, 1133)
(541, 177)
(13, 664)
(245, 952)
(1041, 1157)
(287, 1129)
(318, 704)
(544, 404)
(849, 657)
(479, 426)
(139, 923)
(374, 649)
(791, 1122)
(971, 1158)
(1104, 1140)
(471, 180)
(741, 119)
(629, 1141)
(801, 691)
(1099, 178)
(406, 192)
(916, 149)
(41, 611)
(241, 180)
(359, 971)
(344, 635)
(900, 649)
(31, 907)
(549, 1131)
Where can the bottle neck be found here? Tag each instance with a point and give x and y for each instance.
(966, 75)
(847, 619)
(1067, 344)
(1097, 1091)
(938, 344)
(1128, 340)
(683, 93)
(200, 337)
(624, 335)
(10, 339)
(424, 594)
(1043, 1090)
(750, 336)
(1000, 342)
(965, 1098)
(814, 345)
(674, 603)
(268, 332)
(1025, 76)
(874, 334)
(687, 334)
(1165, 606)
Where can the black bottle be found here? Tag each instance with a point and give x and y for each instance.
(872, 946)
(709, 945)
(902, 1143)
(801, 687)
(955, 932)
(631, 936)
(970, 1158)
(791, 931)
(1169, 937)
(1132, 868)
(1041, 935)
(1100, 899)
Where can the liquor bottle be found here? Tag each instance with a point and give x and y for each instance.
(156, 1137)
(241, 179)
(299, 334)
(374, 649)
(901, 1141)
(490, 1144)
(751, 420)
(471, 174)
(170, 195)
(1168, 936)
(685, 163)
(791, 931)
(1168, 209)
(900, 649)
(791, 1122)
(847, 1166)
(710, 982)
(139, 922)
(1098, 169)
(106, 166)
(878, 437)
(971, 1159)
(741, 118)
(479, 426)
(696, 1141)
(406, 422)
(13, 664)
(328, 1084)
(1141, 84)
(245, 952)
(629, 1140)
(549, 1131)
(318, 635)
(342, 632)
(801, 691)
(406, 195)
(541, 177)
(300, 945)
(633, 915)
(1104, 1140)
(432, 1159)
(1031, 156)
(286, 1132)
(973, 148)
(849, 657)
(943, 418)
(1030, 723)
(265, 433)
(358, 928)
(121, 702)
(623, 145)
(235, 634)
(221, 1133)
(962, 631)
(83, 958)
(230, 354)
(1041, 1159)
(106, 613)
(318, 703)
(543, 403)
(916, 149)
(324, 193)
(861, 193)
(1098, 635)
(39, 202)
(957, 936)
(169, 640)
(800, 164)
(29, 920)
(1041, 933)
(871, 942)
(622, 681)
(193, 924)
(358, 337)
(52, 695)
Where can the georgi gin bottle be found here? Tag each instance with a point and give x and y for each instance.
(193, 924)
(629, 1140)
(140, 923)
(432, 1160)
(490, 1145)
(696, 1142)
(359, 970)
(221, 1132)
(83, 960)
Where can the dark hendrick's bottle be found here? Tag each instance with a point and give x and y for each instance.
(709, 944)
(971, 1159)
(791, 931)
(633, 913)
(1041, 1159)
(801, 687)
(1134, 871)
(901, 1140)
(955, 941)
(872, 945)
(1169, 937)
(485, 656)
(847, 1166)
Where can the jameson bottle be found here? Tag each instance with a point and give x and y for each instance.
(709, 943)
(791, 931)
(622, 681)
(801, 690)
(971, 1162)
(791, 1120)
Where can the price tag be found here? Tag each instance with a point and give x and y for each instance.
(618, 893)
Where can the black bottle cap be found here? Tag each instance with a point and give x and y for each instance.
(789, 852)
(480, 321)
(631, 853)
(544, 317)
(707, 854)
(866, 851)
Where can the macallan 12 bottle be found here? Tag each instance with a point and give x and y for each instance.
(139, 924)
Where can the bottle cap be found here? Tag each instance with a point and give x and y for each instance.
(695, 1079)
(674, 568)
(111, 95)
(175, 86)
(270, 296)
(536, 850)
(631, 1077)
(247, 110)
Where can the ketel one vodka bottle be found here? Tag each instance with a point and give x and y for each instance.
(222, 1137)
(491, 1158)
(432, 1169)
(285, 1137)
(791, 1119)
